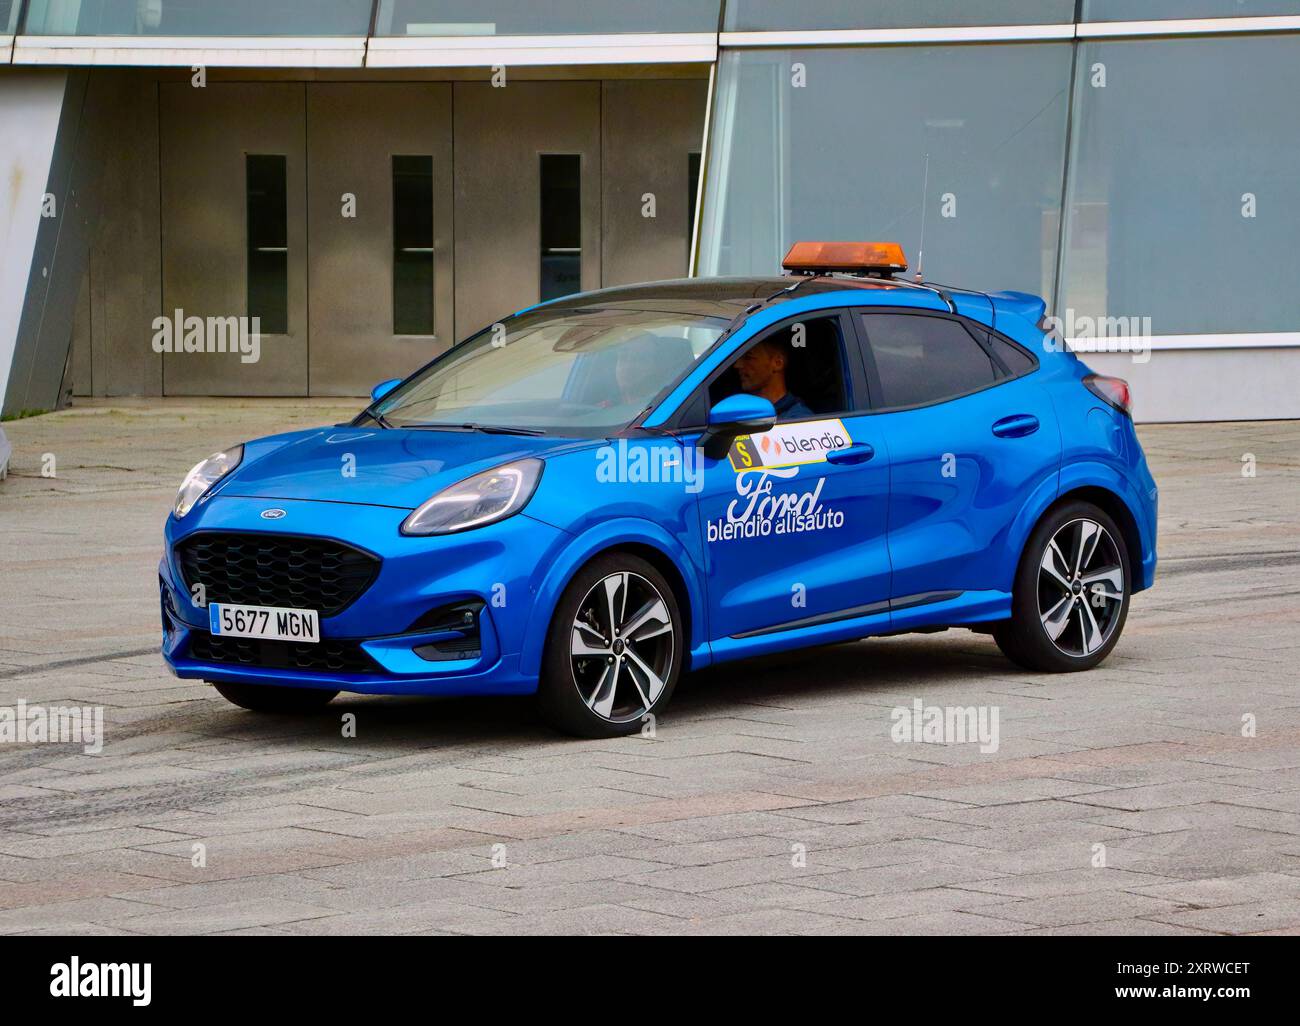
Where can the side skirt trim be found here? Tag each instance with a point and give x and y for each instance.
(904, 602)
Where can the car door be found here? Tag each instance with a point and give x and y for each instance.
(971, 435)
(793, 520)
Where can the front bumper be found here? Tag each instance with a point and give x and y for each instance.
(498, 568)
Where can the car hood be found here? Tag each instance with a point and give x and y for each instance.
(377, 467)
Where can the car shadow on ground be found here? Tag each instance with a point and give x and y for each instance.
(882, 665)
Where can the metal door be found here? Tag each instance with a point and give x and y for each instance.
(502, 134)
(354, 132)
(207, 135)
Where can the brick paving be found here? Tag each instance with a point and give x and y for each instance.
(772, 800)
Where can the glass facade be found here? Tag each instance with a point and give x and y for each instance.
(838, 144)
(8, 16)
(1180, 181)
(1184, 194)
(1159, 10)
(198, 17)
(552, 17)
(775, 15)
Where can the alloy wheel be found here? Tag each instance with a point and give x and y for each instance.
(1080, 587)
(622, 647)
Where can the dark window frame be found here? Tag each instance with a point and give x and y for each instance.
(544, 250)
(394, 173)
(857, 386)
(254, 233)
(1002, 374)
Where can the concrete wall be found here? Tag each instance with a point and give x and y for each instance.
(1208, 384)
(125, 272)
(120, 292)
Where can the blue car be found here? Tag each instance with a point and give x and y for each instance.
(599, 493)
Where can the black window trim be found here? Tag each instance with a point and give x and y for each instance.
(980, 330)
(973, 328)
(855, 378)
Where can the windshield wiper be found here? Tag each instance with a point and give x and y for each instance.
(490, 429)
(381, 420)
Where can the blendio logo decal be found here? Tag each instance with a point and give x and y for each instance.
(757, 513)
(779, 453)
(789, 445)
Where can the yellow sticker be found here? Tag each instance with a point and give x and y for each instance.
(789, 445)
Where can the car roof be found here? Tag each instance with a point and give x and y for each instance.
(716, 297)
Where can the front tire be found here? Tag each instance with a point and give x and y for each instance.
(271, 698)
(1071, 592)
(614, 649)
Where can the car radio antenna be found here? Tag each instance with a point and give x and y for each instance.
(925, 196)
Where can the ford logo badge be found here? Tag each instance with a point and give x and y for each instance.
(272, 514)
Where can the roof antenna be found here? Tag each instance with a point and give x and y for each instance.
(925, 193)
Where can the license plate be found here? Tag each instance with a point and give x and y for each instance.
(270, 622)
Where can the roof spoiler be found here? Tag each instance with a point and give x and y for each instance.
(1020, 304)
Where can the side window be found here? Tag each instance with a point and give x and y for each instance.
(799, 366)
(1015, 359)
(922, 360)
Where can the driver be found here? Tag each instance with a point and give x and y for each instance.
(762, 372)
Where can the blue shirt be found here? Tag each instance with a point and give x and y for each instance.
(791, 407)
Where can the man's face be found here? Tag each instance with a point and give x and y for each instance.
(759, 366)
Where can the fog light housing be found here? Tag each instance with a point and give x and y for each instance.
(459, 632)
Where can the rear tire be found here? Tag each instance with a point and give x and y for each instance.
(614, 649)
(272, 698)
(1071, 592)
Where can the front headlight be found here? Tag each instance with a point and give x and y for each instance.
(482, 499)
(204, 476)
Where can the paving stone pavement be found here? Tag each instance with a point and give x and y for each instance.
(1122, 801)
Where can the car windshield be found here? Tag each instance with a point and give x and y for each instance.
(579, 371)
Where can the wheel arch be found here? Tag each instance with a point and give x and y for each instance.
(661, 561)
(638, 538)
(1118, 510)
(1111, 491)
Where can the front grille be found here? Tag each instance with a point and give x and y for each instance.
(276, 570)
(328, 656)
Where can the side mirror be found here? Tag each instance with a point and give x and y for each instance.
(383, 388)
(740, 414)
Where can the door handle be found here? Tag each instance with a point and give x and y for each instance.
(1016, 426)
(859, 453)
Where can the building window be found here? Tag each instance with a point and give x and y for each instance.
(196, 18)
(561, 197)
(1173, 230)
(266, 177)
(994, 144)
(775, 15)
(530, 18)
(1158, 10)
(412, 245)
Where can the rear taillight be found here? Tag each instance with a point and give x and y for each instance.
(1113, 391)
